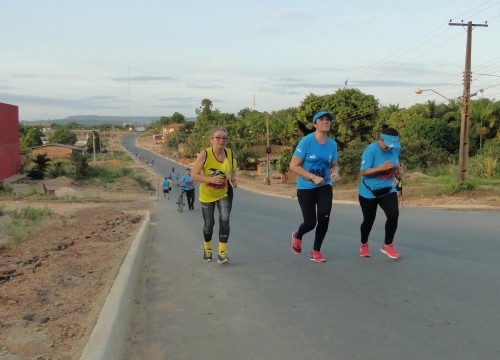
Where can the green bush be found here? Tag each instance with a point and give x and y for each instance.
(42, 163)
(350, 160)
(466, 185)
(283, 163)
(437, 132)
(36, 173)
(80, 162)
(421, 155)
(30, 214)
(486, 162)
(108, 174)
(484, 166)
(5, 189)
(60, 168)
(35, 192)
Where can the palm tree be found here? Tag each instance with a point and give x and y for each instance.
(482, 118)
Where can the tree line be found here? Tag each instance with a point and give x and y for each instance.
(430, 132)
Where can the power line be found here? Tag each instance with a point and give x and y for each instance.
(388, 64)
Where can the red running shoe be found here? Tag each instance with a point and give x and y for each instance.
(364, 251)
(316, 256)
(296, 244)
(390, 251)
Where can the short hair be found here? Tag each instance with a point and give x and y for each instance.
(218, 128)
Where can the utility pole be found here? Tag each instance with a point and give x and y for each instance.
(93, 144)
(268, 151)
(464, 122)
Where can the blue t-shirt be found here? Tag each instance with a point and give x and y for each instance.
(187, 182)
(374, 156)
(316, 158)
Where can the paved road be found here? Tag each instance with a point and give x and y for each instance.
(440, 301)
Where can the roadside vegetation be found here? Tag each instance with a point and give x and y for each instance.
(110, 170)
(106, 169)
(19, 224)
(430, 134)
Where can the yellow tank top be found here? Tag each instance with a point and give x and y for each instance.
(213, 167)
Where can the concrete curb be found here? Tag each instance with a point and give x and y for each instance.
(108, 339)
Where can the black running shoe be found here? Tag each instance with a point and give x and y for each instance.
(207, 255)
(223, 259)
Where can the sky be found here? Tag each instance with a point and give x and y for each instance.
(61, 58)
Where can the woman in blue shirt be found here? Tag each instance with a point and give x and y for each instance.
(379, 169)
(315, 163)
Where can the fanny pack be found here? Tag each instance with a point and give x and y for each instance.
(378, 192)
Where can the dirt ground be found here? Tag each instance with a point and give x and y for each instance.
(53, 286)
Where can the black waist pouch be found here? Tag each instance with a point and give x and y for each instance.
(379, 192)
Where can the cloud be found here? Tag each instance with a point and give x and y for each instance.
(23, 76)
(96, 102)
(274, 22)
(205, 86)
(361, 19)
(381, 83)
(146, 78)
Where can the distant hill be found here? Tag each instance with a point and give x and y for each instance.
(93, 120)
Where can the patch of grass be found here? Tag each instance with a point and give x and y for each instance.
(108, 174)
(116, 155)
(35, 192)
(30, 214)
(466, 185)
(26, 222)
(5, 189)
(143, 181)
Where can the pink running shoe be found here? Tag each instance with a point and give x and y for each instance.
(390, 251)
(364, 251)
(316, 256)
(296, 244)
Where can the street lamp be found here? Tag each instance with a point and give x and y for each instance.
(420, 91)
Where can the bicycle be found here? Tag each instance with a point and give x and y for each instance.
(180, 201)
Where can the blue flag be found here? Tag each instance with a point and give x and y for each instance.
(345, 82)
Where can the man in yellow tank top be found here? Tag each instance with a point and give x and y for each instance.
(215, 170)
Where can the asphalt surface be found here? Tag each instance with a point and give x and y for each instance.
(439, 301)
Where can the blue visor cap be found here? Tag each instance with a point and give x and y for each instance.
(391, 141)
(321, 114)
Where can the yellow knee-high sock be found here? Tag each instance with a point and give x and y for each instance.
(207, 245)
(222, 248)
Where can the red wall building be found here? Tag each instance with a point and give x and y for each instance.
(10, 150)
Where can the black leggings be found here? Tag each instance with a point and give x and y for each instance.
(311, 201)
(190, 198)
(389, 204)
